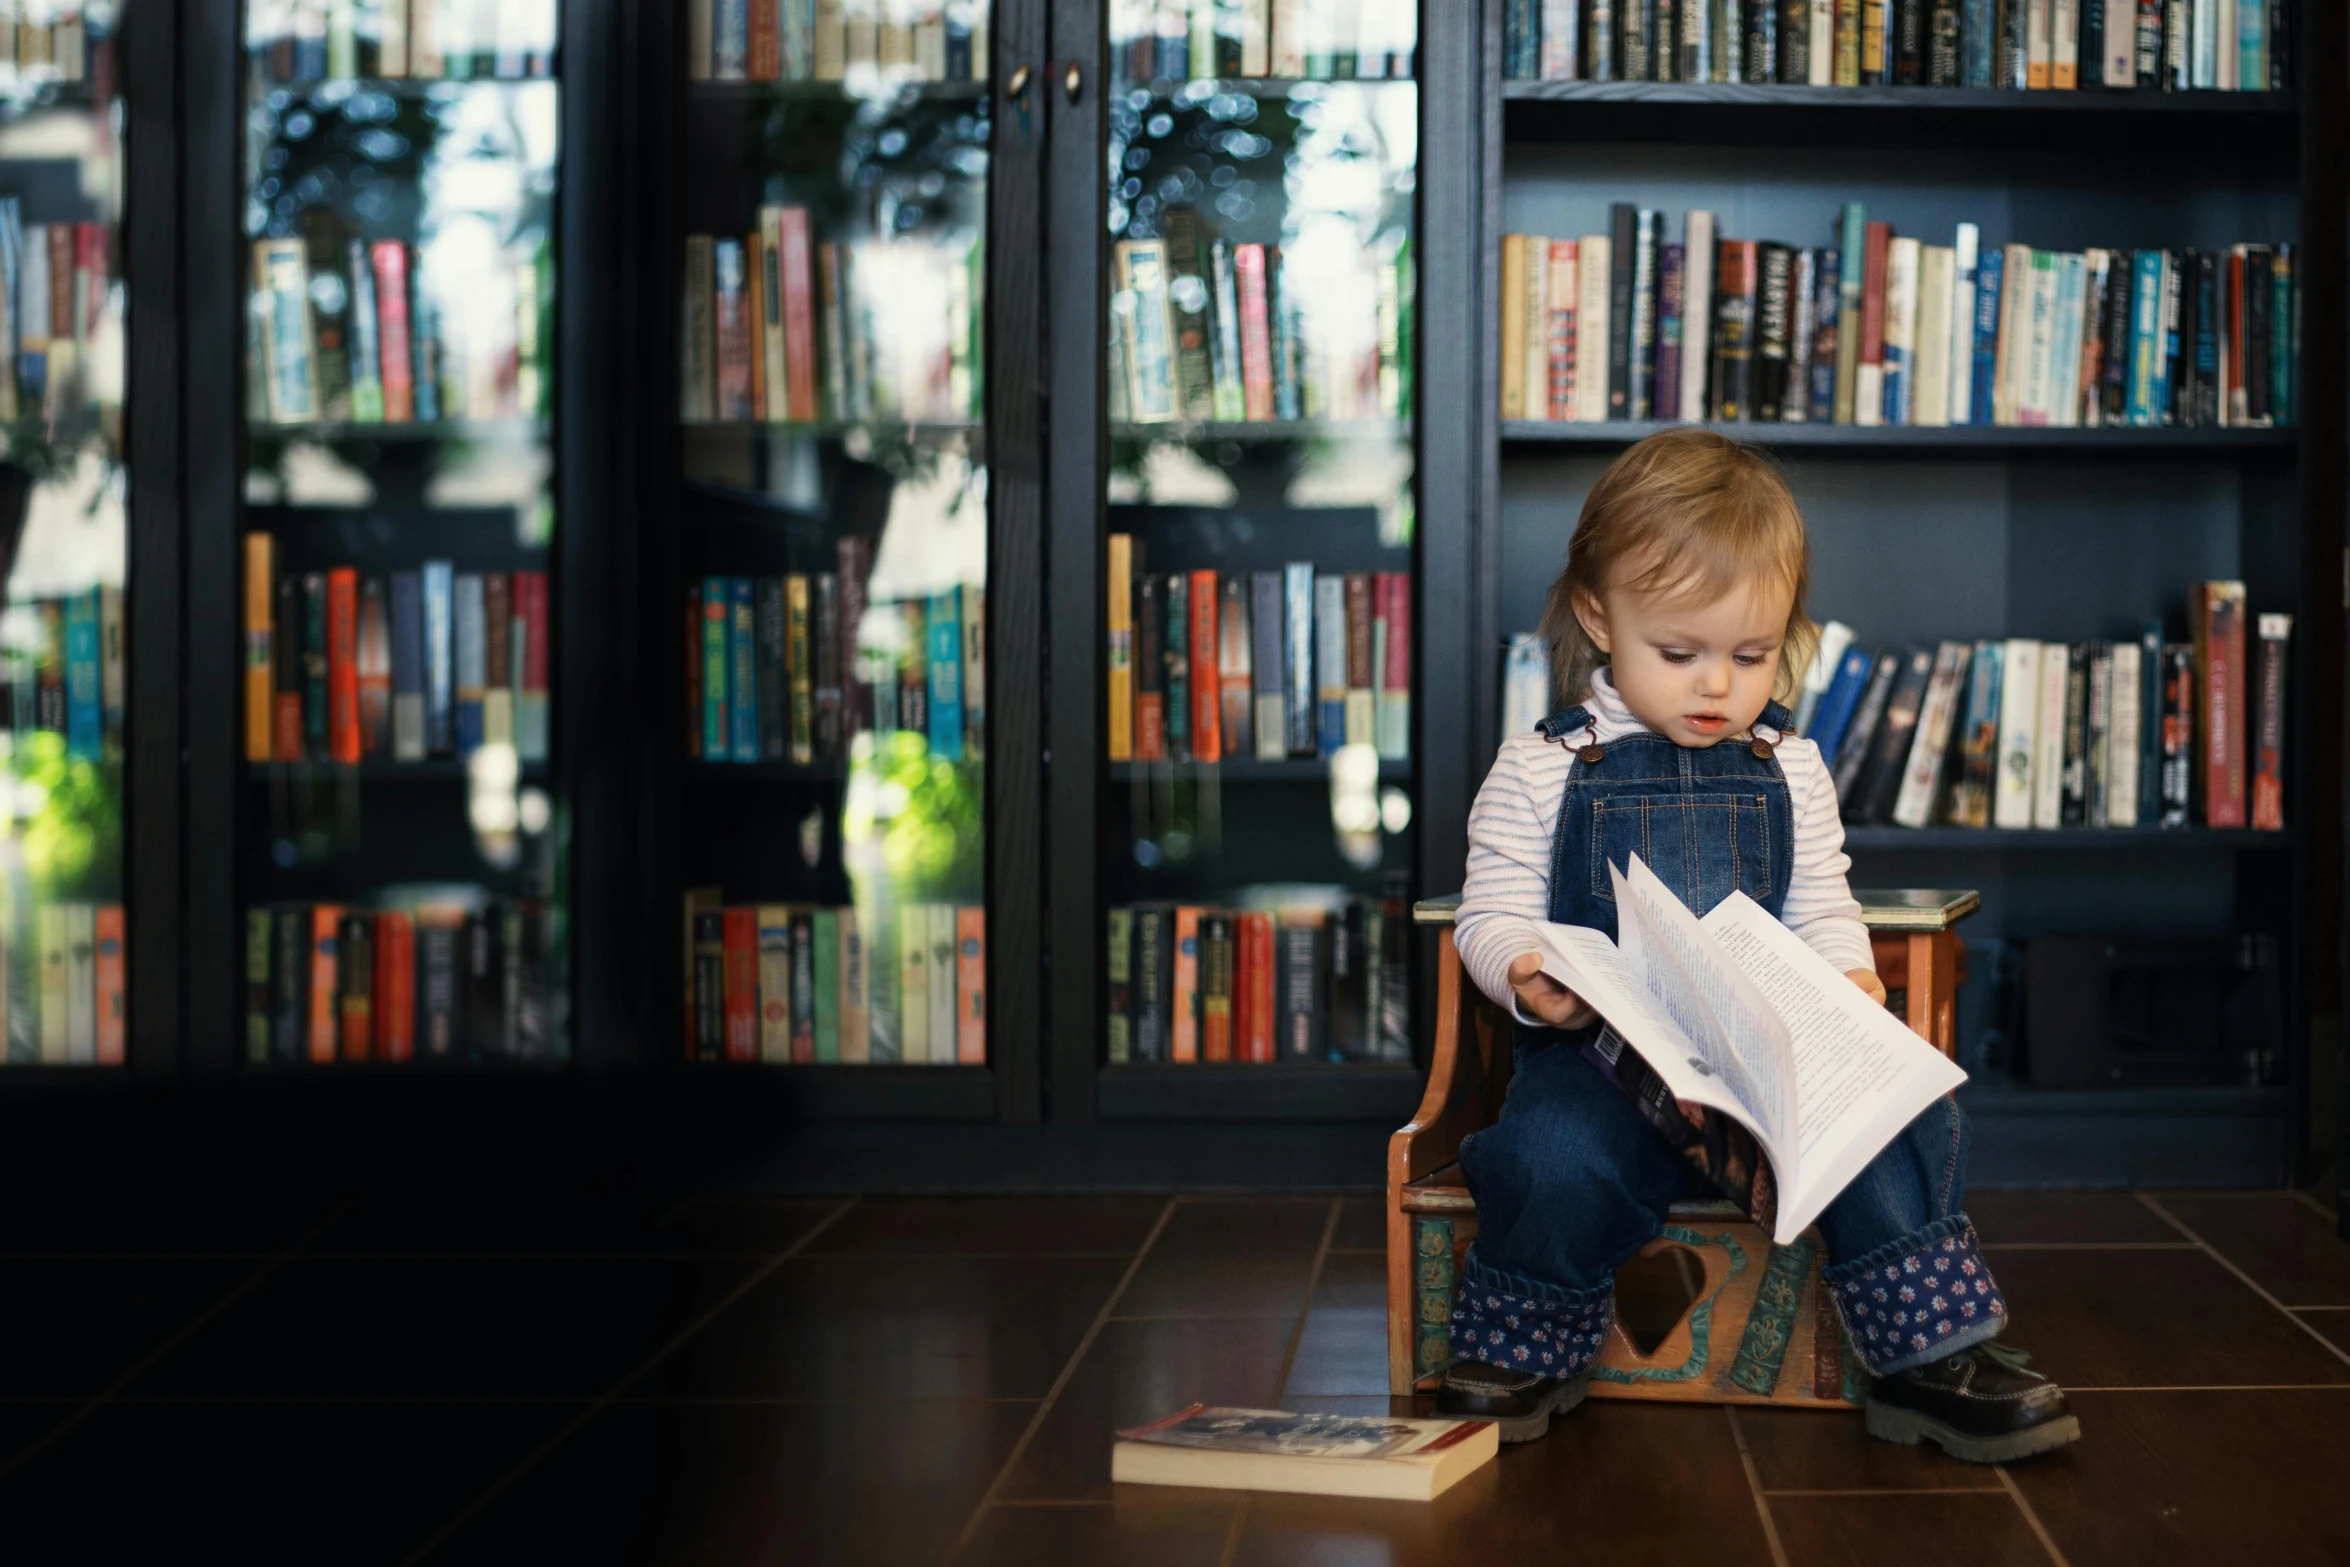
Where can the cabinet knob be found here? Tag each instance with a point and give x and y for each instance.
(1072, 82)
(1017, 86)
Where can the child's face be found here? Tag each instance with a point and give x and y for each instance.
(1692, 672)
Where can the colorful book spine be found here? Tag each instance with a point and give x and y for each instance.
(1329, 663)
(1207, 689)
(1120, 615)
(946, 675)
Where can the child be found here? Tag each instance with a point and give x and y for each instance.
(1679, 615)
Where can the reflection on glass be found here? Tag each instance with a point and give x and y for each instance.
(835, 551)
(63, 540)
(1260, 332)
(402, 852)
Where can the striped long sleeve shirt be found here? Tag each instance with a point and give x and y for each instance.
(1515, 818)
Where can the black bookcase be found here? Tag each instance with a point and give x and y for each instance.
(1990, 531)
(1921, 533)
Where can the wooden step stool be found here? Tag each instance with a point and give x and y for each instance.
(1760, 1329)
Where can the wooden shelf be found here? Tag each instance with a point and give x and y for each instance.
(1260, 429)
(347, 432)
(1313, 770)
(2003, 839)
(836, 92)
(1382, 1091)
(832, 771)
(438, 769)
(2281, 106)
(2119, 440)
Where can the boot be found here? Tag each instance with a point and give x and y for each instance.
(1520, 1402)
(1982, 1404)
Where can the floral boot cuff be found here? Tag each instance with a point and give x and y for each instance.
(1903, 1308)
(1550, 1338)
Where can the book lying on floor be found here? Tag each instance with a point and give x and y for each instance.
(1332, 1455)
(1734, 1013)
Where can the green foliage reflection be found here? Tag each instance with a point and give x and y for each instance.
(923, 812)
(71, 841)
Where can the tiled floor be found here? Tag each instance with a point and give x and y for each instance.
(903, 1381)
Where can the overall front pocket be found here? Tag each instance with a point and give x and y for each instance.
(1702, 846)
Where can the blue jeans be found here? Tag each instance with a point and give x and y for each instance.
(1572, 1181)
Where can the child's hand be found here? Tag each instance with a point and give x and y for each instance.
(1540, 996)
(1867, 980)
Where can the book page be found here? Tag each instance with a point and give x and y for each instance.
(1739, 1037)
(1587, 963)
(1861, 1076)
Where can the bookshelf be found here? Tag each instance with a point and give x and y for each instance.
(832, 429)
(1989, 531)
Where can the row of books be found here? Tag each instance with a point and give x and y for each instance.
(55, 286)
(344, 666)
(345, 328)
(1885, 329)
(1266, 664)
(455, 40)
(888, 41)
(325, 983)
(2174, 45)
(793, 668)
(61, 1002)
(1205, 329)
(1268, 980)
(782, 330)
(64, 668)
(801, 985)
(43, 41)
(2048, 734)
(1315, 40)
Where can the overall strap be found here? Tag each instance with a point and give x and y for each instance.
(1776, 717)
(1559, 725)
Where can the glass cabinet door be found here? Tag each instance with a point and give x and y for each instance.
(1260, 520)
(832, 534)
(400, 848)
(64, 497)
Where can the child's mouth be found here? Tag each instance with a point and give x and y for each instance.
(1707, 723)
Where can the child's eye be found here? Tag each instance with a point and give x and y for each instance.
(1749, 660)
(1674, 655)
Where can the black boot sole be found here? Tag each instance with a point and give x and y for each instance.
(1528, 1427)
(1892, 1423)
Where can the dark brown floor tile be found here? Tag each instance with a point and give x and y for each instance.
(2010, 1218)
(452, 1328)
(1362, 1224)
(1344, 1346)
(21, 1425)
(1981, 1530)
(724, 1224)
(896, 1327)
(2193, 1479)
(1147, 1526)
(1616, 1482)
(2152, 1319)
(1230, 1258)
(1830, 1449)
(703, 1485)
(262, 1483)
(520, 1225)
(83, 1323)
(994, 1224)
(1137, 1371)
(2332, 1326)
(1420, 1406)
(2292, 1252)
(175, 1219)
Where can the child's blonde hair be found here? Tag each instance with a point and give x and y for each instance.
(1684, 512)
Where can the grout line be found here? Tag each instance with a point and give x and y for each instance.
(1897, 1490)
(2250, 1283)
(2309, 1200)
(1313, 1283)
(2089, 1246)
(1232, 1535)
(671, 1345)
(2016, 1494)
(188, 1330)
(1052, 1394)
(1762, 1500)
(1053, 1501)
(2319, 1308)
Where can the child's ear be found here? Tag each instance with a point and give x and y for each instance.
(1592, 616)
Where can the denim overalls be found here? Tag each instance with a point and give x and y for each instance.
(1572, 1180)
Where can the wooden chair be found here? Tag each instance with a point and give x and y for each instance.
(1758, 1327)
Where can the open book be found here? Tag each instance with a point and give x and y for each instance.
(1733, 1012)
